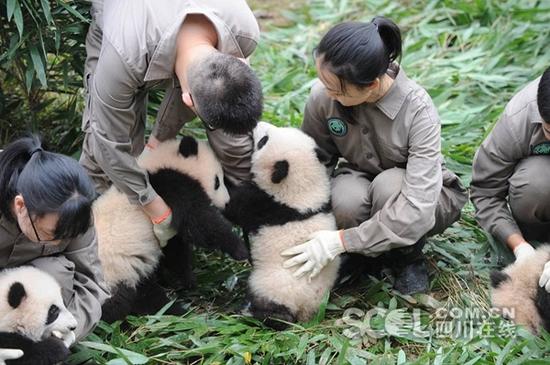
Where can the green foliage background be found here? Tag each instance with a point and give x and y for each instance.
(470, 55)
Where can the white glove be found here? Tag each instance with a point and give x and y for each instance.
(315, 254)
(9, 354)
(544, 281)
(68, 337)
(163, 230)
(146, 151)
(523, 251)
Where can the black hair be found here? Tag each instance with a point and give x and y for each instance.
(543, 96)
(49, 182)
(226, 93)
(358, 52)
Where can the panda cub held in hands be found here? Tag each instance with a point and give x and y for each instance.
(32, 313)
(187, 175)
(287, 200)
(517, 294)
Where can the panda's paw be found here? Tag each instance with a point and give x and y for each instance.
(273, 315)
(238, 251)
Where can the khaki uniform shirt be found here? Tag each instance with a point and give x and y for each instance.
(138, 52)
(73, 263)
(400, 130)
(517, 135)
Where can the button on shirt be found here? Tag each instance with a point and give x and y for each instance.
(514, 137)
(400, 130)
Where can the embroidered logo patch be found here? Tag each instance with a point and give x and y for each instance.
(337, 127)
(541, 149)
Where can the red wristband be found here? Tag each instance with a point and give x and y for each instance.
(341, 234)
(161, 219)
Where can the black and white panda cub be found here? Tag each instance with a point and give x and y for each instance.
(517, 294)
(287, 200)
(31, 314)
(187, 175)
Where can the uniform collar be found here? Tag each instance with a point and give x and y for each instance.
(9, 226)
(163, 61)
(391, 103)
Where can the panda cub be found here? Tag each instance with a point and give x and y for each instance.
(31, 314)
(287, 200)
(516, 291)
(187, 175)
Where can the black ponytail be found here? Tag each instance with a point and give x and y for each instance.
(358, 52)
(543, 96)
(49, 182)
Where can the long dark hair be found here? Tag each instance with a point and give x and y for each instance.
(358, 52)
(49, 182)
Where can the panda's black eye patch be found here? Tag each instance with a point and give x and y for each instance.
(217, 183)
(53, 313)
(262, 142)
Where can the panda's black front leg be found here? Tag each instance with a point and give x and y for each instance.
(46, 352)
(219, 233)
(542, 301)
(176, 265)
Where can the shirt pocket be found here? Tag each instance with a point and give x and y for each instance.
(393, 155)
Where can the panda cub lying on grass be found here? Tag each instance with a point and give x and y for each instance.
(187, 175)
(287, 200)
(32, 314)
(516, 292)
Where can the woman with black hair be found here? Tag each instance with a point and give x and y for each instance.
(393, 189)
(46, 221)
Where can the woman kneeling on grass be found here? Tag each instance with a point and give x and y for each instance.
(391, 188)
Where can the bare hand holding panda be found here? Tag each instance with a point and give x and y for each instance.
(315, 254)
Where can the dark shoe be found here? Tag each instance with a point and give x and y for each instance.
(412, 278)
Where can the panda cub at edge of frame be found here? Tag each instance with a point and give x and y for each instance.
(31, 310)
(515, 291)
(287, 200)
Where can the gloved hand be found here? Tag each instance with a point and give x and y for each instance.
(9, 354)
(315, 254)
(523, 251)
(146, 151)
(162, 228)
(544, 281)
(68, 337)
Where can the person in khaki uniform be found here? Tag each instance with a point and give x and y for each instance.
(511, 173)
(197, 50)
(393, 189)
(46, 221)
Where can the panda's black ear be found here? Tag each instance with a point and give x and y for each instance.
(16, 294)
(188, 146)
(498, 277)
(280, 171)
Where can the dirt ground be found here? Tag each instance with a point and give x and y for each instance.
(269, 12)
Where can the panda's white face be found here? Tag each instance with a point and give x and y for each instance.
(31, 304)
(286, 165)
(193, 158)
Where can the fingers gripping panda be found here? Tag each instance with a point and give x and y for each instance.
(287, 200)
(187, 175)
(32, 313)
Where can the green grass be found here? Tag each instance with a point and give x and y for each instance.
(471, 56)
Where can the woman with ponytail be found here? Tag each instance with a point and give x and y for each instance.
(46, 221)
(391, 188)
